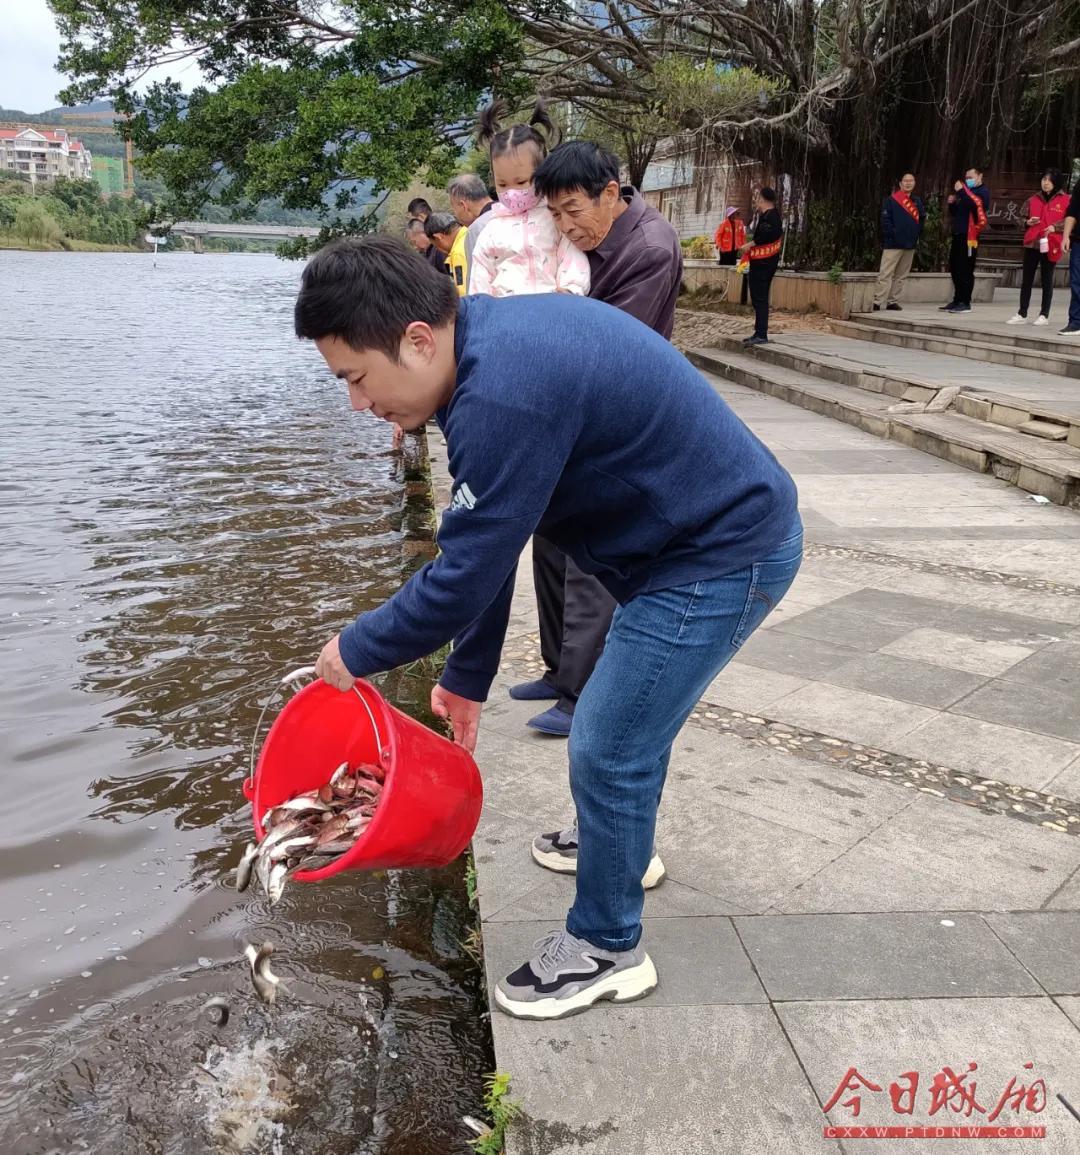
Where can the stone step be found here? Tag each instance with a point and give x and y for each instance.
(976, 326)
(1032, 463)
(1052, 403)
(1047, 430)
(991, 348)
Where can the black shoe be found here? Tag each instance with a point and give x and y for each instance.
(756, 340)
(1069, 330)
(960, 309)
(947, 308)
(876, 309)
(894, 308)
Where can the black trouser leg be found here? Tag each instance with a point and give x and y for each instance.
(958, 256)
(969, 281)
(549, 579)
(731, 258)
(587, 611)
(575, 613)
(1046, 267)
(760, 277)
(1031, 263)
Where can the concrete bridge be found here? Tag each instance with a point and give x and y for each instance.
(198, 230)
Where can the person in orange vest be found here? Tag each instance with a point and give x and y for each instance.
(730, 236)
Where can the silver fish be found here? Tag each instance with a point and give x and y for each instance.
(316, 861)
(475, 1125)
(280, 833)
(282, 850)
(247, 863)
(339, 773)
(334, 848)
(220, 1008)
(302, 803)
(275, 884)
(265, 981)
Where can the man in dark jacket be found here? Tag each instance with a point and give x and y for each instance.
(902, 219)
(763, 253)
(1071, 247)
(565, 417)
(416, 235)
(968, 205)
(636, 265)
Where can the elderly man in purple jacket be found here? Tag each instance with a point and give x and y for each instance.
(636, 265)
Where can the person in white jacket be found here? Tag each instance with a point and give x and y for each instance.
(521, 250)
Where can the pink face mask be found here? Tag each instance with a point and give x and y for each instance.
(519, 200)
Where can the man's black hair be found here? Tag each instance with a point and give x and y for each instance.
(767, 193)
(418, 205)
(415, 225)
(367, 290)
(577, 164)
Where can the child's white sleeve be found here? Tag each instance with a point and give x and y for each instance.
(482, 265)
(572, 274)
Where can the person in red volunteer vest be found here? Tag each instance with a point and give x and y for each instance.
(969, 203)
(730, 236)
(763, 256)
(901, 226)
(1044, 216)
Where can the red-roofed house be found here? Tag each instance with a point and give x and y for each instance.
(43, 154)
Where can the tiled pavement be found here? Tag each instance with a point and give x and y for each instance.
(816, 917)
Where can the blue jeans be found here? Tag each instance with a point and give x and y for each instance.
(662, 651)
(1074, 283)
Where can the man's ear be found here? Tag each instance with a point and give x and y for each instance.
(419, 339)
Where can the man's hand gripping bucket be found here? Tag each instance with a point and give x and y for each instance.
(431, 796)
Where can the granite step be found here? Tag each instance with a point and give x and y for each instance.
(979, 326)
(1047, 468)
(994, 349)
(1047, 405)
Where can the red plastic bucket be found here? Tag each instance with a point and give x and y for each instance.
(431, 796)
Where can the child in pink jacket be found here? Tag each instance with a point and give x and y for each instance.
(521, 249)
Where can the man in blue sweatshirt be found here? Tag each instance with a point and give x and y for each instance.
(570, 418)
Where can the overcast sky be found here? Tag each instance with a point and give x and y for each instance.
(29, 46)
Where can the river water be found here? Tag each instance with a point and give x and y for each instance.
(188, 509)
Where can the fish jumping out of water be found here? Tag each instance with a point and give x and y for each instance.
(220, 1009)
(265, 981)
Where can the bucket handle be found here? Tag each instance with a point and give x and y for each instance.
(289, 680)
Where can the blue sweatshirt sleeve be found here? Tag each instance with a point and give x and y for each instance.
(505, 459)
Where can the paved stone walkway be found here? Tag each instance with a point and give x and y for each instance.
(867, 832)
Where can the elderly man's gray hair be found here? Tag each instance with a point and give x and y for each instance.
(468, 187)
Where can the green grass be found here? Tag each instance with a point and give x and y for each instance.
(470, 879)
(69, 244)
(502, 1111)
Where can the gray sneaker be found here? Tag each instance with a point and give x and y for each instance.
(567, 975)
(558, 851)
